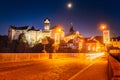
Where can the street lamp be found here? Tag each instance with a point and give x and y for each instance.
(59, 30)
(44, 42)
(103, 27)
(106, 35)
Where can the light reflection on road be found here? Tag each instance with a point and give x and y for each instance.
(94, 55)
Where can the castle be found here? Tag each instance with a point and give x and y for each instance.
(34, 36)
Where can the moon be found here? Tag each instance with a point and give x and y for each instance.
(69, 5)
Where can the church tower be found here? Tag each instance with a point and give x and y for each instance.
(71, 30)
(47, 24)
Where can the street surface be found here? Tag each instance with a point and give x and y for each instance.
(98, 70)
(52, 69)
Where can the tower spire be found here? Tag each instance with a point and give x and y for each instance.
(71, 24)
(71, 31)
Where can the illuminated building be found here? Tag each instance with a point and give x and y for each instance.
(114, 47)
(115, 42)
(14, 32)
(93, 45)
(57, 33)
(34, 36)
(74, 39)
(72, 34)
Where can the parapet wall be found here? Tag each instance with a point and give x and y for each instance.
(114, 68)
(20, 57)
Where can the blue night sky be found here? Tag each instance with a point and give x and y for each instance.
(86, 15)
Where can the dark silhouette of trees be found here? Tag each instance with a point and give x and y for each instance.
(49, 46)
(4, 43)
(37, 48)
(23, 46)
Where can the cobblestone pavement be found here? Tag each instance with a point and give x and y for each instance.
(51, 69)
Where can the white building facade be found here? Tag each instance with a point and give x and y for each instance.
(32, 35)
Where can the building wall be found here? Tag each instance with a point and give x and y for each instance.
(34, 37)
(115, 43)
(14, 34)
(57, 35)
(95, 46)
(67, 38)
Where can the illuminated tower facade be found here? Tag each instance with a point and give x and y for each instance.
(47, 24)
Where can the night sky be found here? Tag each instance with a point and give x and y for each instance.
(86, 15)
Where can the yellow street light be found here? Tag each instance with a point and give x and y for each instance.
(103, 27)
(59, 30)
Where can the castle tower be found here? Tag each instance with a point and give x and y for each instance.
(47, 24)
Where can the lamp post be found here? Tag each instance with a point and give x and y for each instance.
(103, 27)
(57, 39)
(44, 42)
(106, 35)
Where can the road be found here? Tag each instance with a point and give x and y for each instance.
(49, 69)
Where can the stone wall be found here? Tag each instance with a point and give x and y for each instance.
(113, 68)
(20, 57)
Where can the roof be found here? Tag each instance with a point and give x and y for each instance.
(46, 19)
(32, 28)
(20, 28)
(115, 38)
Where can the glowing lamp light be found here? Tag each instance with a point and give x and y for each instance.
(59, 30)
(103, 27)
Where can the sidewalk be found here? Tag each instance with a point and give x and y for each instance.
(96, 71)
